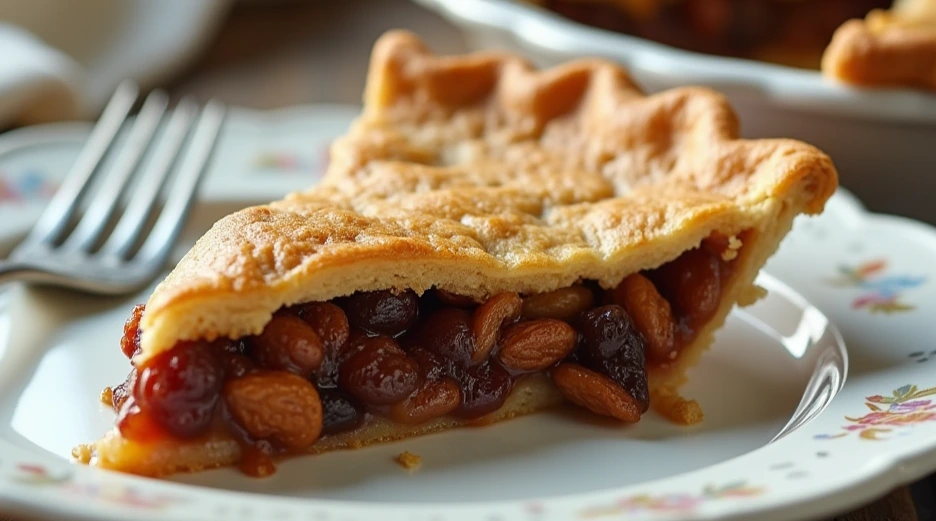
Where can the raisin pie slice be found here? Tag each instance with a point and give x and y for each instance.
(489, 241)
(894, 47)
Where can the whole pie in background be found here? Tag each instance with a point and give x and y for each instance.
(489, 241)
(863, 42)
(895, 47)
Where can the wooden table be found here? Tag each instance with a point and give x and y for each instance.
(273, 53)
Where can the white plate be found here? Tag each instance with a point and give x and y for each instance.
(869, 133)
(58, 350)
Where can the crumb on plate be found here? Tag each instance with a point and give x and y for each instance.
(107, 396)
(408, 460)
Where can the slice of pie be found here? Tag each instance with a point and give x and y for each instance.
(489, 241)
(894, 47)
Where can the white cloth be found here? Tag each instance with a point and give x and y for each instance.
(37, 83)
(61, 59)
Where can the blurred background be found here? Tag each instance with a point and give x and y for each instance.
(274, 53)
(251, 53)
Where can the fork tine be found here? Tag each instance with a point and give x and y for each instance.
(185, 186)
(133, 221)
(102, 206)
(63, 204)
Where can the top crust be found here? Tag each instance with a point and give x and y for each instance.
(478, 174)
(895, 47)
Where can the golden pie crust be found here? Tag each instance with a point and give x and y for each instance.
(478, 174)
(894, 47)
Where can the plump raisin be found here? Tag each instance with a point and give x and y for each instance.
(627, 370)
(432, 367)
(339, 412)
(431, 400)
(447, 333)
(180, 388)
(596, 392)
(385, 344)
(613, 346)
(651, 314)
(489, 318)
(355, 344)
(288, 343)
(381, 312)
(136, 424)
(130, 341)
(606, 330)
(327, 375)
(278, 406)
(484, 389)
(379, 375)
(331, 324)
(692, 284)
(534, 345)
(328, 321)
(562, 304)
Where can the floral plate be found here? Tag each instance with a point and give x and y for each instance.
(787, 435)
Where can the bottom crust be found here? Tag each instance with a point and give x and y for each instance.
(115, 452)
(532, 394)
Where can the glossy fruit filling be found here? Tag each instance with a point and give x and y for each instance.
(790, 32)
(324, 368)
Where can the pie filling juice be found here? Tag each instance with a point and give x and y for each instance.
(323, 368)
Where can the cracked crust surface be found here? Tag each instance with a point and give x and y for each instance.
(894, 47)
(479, 174)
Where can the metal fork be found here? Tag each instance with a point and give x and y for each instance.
(93, 256)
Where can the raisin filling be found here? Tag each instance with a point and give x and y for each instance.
(323, 368)
(788, 32)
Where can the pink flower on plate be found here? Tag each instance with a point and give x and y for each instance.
(912, 406)
(896, 419)
(869, 300)
(905, 407)
(28, 468)
(668, 503)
